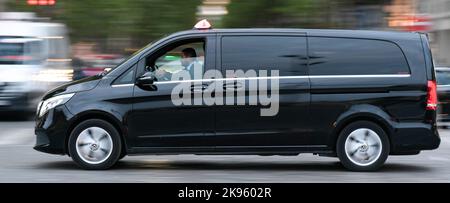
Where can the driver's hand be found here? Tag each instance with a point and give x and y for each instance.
(160, 73)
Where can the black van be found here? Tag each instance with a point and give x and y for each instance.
(356, 95)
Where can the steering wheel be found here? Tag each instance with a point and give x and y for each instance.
(151, 68)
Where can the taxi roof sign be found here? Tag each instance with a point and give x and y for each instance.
(202, 25)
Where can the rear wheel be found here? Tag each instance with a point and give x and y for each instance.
(363, 146)
(95, 144)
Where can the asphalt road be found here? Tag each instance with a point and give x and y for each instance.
(20, 163)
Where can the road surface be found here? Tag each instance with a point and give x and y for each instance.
(20, 163)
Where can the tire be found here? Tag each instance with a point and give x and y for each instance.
(362, 146)
(95, 145)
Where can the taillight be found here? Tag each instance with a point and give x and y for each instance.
(432, 99)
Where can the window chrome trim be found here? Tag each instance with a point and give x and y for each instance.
(363, 76)
(289, 77)
(279, 77)
(123, 85)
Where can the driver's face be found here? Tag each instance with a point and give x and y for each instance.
(185, 60)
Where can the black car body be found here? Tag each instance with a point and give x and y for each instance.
(331, 82)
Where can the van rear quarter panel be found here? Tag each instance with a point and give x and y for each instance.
(386, 100)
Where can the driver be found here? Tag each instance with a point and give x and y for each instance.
(188, 61)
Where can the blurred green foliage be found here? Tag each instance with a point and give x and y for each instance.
(142, 21)
(291, 13)
(269, 13)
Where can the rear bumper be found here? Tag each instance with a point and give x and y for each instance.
(410, 138)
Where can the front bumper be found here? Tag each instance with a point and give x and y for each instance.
(51, 131)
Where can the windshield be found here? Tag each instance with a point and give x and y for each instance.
(134, 54)
(11, 53)
(20, 53)
(124, 61)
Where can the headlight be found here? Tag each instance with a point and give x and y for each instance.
(53, 102)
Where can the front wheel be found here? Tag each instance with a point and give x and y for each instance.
(362, 146)
(95, 145)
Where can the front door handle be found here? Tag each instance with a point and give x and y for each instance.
(198, 88)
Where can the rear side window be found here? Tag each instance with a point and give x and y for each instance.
(342, 56)
(284, 53)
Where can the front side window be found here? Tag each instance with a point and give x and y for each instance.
(342, 56)
(189, 56)
(127, 77)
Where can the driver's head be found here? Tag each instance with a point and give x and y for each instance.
(188, 56)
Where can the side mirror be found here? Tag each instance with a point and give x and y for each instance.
(145, 80)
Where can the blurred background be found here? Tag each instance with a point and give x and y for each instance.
(44, 43)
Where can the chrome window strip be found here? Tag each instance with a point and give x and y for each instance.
(122, 85)
(279, 77)
(362, 76)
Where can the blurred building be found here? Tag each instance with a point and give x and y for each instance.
(439, 13)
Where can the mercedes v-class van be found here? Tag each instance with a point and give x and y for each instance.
(356, 95)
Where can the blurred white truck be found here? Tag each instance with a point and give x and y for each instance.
(34, 57)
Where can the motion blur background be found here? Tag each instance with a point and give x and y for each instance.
(44, 43)
(48, 42)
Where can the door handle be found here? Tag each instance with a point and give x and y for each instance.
(232, 86)
(198, 88)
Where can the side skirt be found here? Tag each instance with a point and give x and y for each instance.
(232, 150)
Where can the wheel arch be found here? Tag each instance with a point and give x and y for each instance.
(96, 114)
(378, 117)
